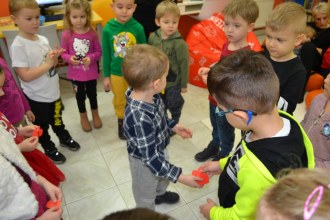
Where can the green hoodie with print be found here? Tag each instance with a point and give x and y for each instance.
(116, 39)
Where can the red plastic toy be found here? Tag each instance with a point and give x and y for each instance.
(37, 132)
(202, 175)
(51, 204)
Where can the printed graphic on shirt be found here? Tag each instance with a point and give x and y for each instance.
(122, 42)
(233, 166)
(81, 48)
(326, 130)
(4, 122)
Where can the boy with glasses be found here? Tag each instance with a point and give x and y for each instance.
(246, 90)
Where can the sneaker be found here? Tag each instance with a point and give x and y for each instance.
(209, 152)
(55, 156)
(168, 197)
(70, 144)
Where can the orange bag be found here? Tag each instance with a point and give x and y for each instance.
(205, 41)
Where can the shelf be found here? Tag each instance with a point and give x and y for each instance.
(190, 7)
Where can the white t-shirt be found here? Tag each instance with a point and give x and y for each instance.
(28, 53)
(285, 131)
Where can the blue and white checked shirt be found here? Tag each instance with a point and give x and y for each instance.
(148, 133)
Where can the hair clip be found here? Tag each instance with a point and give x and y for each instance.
(308, 213)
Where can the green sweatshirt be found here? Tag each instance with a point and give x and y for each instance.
(177, 52)
(252, 177)
(116, 39)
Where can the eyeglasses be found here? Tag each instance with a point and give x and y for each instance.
(222, 113)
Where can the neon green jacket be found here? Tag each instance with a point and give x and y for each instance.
(253, 178)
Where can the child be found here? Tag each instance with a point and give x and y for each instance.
(148, 129)
(317, 125)
(34, 62)
(119, 34)
(82, 52)
(23, 193)
(239, 17)
(12, 96)
(12, 101)
(302, 194)
(168, 39)
(246, 88)
(285, 28)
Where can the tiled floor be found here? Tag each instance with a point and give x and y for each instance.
(98, 176)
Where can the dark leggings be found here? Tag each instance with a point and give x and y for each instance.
(82, 89)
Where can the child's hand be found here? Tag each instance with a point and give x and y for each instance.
(54, 192)
(107, 84)
(184, 90)
(74, 60)
(57, 51)
(205, 209)
(30, 116)
(203, 73)
(190, 180)
(86, 61)
(54, 213)
(182, 131)
(28, 144)
(51, 59)
(211, 168)
(27, 130)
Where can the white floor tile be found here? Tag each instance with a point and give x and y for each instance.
(97, 206)
(86, 178)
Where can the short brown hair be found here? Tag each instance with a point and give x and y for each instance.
(288, 196)
(143, 64)
(167, 7)
(77, 4)
(16, 5)
(244, 80)
(247, 9)
(137, 214)
(288, 14)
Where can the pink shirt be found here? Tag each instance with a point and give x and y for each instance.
(81, 45)
(13, 103)
(314, 122)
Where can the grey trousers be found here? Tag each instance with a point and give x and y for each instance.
(146, 186)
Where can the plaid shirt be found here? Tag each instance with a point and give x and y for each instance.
(148, 133)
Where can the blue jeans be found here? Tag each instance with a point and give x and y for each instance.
(223, 134)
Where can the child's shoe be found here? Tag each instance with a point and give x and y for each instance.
(210, 151)
(55, 156)
(121, 129)
(85, 125)
(168, 197)
(96, 119)
(70, 144)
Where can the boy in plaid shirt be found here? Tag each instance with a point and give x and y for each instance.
(148, 129)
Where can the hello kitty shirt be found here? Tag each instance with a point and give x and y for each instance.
(81, 46)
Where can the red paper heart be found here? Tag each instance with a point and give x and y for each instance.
(202, 175)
